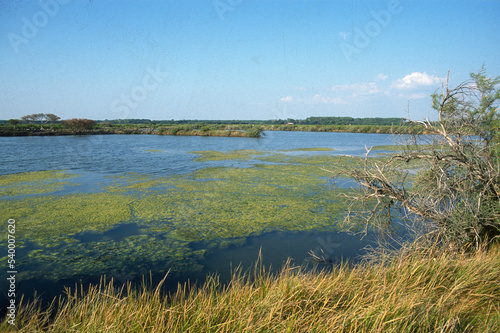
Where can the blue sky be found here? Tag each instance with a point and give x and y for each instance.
(239, 59)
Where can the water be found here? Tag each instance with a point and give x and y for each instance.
(116, 154)
(95, 157)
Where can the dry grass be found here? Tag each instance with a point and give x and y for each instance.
(412, 293)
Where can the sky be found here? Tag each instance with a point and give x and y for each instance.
(239, 59)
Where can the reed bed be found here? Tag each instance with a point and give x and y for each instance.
(413, 292)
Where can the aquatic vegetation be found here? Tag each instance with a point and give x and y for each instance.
(135, 254)
(309, 149)
(49, 220)
(217, 206)
(38, 182)
(414, 292)
(33, 177)
(387, 147)
(212, 155)
(154, 150)
(131, 181)
(234, 202)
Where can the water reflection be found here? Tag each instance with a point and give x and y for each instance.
(117, 233)
(277, 247)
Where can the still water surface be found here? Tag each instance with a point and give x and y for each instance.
(95, 157)
(115, 154)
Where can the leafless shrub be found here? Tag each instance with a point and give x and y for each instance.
(444, 184)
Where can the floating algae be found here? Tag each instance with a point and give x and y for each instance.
(211, 206)
(308, 149)
(39, 182)
(31, 177)
(135, 254)
(136, 182)
(212, 155)
(154, 150)
(49, 220)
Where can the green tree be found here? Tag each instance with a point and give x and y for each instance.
(14, 122)
(51, 118)
(40, 118)
(445, 182)
(255, 132)
(28, 118)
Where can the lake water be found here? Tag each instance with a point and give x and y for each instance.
(115, 154)
(96, 157)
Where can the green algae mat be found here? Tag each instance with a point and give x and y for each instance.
(138, 223)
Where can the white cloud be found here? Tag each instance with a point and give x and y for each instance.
(316, 99)
(382, 77)
(341, 94)
(357, 89)
(415, 80)
(413, 95)
(328, 100)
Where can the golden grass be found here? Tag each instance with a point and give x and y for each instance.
(412, 293)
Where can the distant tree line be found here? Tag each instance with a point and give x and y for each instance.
(45, 122)
(50, 124)
(308, 121)
(351, 121)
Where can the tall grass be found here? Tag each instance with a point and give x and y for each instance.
(411, 293)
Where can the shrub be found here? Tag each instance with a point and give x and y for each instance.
(79, 124)
(454, 198)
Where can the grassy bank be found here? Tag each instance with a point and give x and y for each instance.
(125, 129)
(381, 129)
(413, 293)
(232, 130)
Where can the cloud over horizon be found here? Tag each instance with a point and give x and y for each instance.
(357, 89)
(286, 99)
(415, 80)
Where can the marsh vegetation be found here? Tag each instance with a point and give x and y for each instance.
(445, 280)
(215, 205)
(414, 292)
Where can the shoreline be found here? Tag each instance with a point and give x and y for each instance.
(245, 130)
(221, 133)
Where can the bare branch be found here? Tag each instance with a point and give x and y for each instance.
(449, 187)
